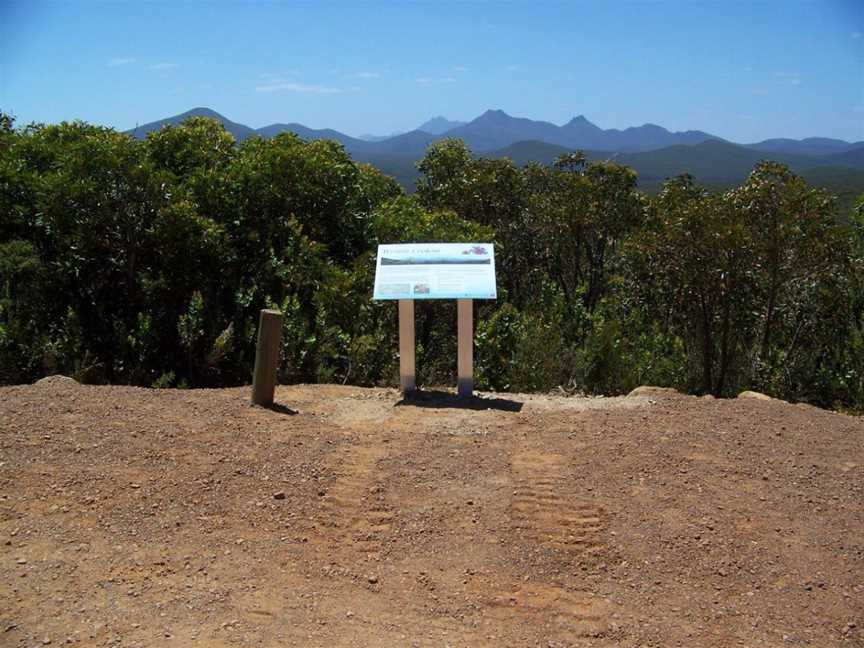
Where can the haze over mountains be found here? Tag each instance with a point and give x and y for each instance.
(655, 152)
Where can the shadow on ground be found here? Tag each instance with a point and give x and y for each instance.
(442, 400)
(278, 408)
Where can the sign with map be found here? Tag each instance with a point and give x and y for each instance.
(435, 271)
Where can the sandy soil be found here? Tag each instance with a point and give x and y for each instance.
(342, 517)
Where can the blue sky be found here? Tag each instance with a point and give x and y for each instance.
(742, 70)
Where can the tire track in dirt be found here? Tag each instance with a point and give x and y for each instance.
(564, 614)
(354, 508)
(355, 515)
(545, 510)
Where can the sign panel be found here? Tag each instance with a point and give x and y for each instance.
(435, 271)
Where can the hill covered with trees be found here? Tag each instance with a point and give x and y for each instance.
(146, 261)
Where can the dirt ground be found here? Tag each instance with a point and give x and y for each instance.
(342, 517)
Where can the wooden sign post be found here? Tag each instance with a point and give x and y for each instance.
(407, 346)
(266, 357)
(465, 346)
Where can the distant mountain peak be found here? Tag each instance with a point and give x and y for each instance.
(439, 125)
(239, 131)
(493, 115)
(203, 111)
(580, 122)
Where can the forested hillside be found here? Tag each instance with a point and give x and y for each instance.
(147, 261)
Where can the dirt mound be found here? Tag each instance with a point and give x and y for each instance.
(755, 396)
(50, 381)
(349, 517)
(648, 390)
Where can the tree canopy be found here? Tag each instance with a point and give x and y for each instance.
(146, 262)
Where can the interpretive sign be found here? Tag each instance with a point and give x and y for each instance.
(435, 271)
(460, 271)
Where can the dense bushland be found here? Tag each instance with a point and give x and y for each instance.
(147, 263)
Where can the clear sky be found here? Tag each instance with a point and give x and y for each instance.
(742, 70)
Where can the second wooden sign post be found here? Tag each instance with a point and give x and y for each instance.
(465, 347)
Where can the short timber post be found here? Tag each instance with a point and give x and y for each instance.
(266, 357)
(465, 333)
(407, 379)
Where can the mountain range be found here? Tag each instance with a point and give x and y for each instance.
(653, 151)
(495, 129)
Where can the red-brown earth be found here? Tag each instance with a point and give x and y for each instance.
(342, 517)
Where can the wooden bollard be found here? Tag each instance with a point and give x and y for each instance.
(266, 357)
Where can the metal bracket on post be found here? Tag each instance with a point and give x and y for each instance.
(407, 379)
(465, 333)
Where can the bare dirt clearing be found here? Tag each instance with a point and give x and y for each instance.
(133, 517)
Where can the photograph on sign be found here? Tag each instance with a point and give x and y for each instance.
(435, 271)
